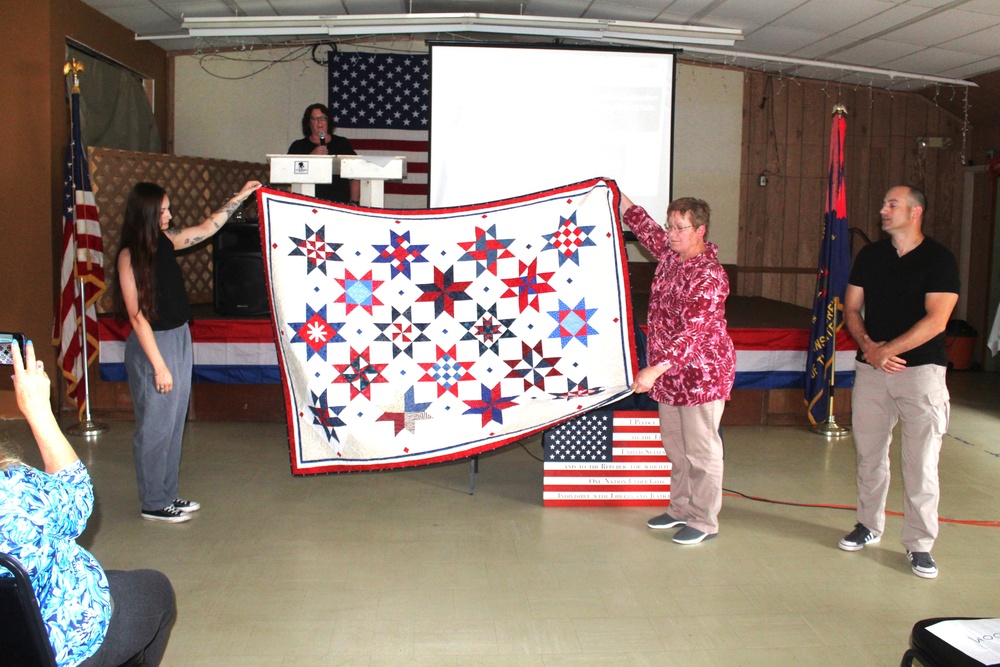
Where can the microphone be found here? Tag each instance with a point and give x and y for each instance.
(322, 138)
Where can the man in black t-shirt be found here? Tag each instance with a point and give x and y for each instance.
(899, 298)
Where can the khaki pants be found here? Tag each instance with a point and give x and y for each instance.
(691, 439)
(918, 398)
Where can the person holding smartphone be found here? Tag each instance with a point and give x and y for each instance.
(93, 617)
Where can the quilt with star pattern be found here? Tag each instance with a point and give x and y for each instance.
(409, 338)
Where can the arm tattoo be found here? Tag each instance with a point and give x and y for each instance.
(194, 240)
(229, 207)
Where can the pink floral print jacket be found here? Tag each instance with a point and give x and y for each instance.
(687, 320)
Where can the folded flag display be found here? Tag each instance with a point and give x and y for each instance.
(606, 458)
(414, 337)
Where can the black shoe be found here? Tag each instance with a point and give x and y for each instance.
(186, 506)
(922, 564)
(689, 535)
(858, 538)
(168, 514)
(665, 521)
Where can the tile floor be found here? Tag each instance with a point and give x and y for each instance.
(408, 568)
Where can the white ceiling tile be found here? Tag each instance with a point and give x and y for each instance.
(610, 10)
(991, 7)
(832, 17)
(779, 40)
(883, 21)
(972, 69)
(299, 8)
(929, 61)
(943, 28)
(716, 22)
(925, 4)
(982, 43)
(876, 53)
(562, 8)
(815, 49)
(755, 12)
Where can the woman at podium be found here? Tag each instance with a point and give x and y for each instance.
(318, 139)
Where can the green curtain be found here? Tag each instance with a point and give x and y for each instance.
(114, 109)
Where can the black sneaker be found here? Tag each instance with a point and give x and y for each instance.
(689, 535)
(168, 514)
(665, 521)
(858, 538)
(922, 564)
(186, 506)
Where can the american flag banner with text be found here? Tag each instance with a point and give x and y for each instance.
(606, 458)
(381, 103)
(82, 260)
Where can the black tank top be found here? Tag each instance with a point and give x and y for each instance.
(172, 307)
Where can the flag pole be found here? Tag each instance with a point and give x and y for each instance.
(87, 427)
(829, 427)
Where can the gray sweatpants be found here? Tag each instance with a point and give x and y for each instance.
(159, 418)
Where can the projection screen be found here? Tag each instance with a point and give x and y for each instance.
(510, 120)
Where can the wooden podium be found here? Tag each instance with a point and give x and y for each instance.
(303, 172)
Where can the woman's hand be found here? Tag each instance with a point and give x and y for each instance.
(248, 189)
(31, 383)
(31, 387)
(321, 150)
(647, 376)
(164, 381)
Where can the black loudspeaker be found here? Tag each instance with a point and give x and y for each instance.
(238, 270)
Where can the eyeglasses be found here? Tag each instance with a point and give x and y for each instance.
(678, 230)
(316, 119)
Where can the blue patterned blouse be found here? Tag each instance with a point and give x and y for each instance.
(41, 516)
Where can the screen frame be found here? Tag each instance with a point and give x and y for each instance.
(654, 204)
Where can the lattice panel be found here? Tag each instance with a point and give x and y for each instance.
(196, 187)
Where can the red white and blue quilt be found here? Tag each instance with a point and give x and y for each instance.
(408, 338)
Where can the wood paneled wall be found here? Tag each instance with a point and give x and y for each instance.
(786, 138)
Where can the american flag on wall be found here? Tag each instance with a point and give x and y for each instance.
(381, 103)
(606, 458)
(82, 260)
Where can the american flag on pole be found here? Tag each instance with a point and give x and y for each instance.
(82, 264)
(606, 458)
(831, 282)
(381, 103)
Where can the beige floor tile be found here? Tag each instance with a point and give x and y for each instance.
(408, 568)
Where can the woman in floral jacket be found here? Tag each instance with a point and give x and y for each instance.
(692, 363)
(92, 617)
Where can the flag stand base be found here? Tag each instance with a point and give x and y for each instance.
(830, 428)
(88, 429)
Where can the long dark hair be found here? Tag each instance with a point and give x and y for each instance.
(140, 235)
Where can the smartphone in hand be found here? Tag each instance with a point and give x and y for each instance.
(6, 359)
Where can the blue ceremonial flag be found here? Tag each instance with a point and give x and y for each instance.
(831, 281)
